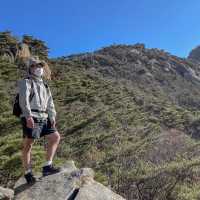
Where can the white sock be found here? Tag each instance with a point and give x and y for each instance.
(49, 162)
(27, 171)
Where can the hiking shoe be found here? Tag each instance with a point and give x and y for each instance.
(30, 179)
(50, 169)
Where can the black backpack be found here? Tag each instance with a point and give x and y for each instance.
(16, 107)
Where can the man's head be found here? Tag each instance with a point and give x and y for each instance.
(36, 66)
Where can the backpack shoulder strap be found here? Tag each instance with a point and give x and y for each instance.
(46, 84)
(32, 91)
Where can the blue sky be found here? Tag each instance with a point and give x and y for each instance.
(75, 26)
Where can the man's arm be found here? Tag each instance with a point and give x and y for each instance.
(24, 93)
(51, 108)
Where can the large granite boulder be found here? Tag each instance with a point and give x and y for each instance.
(71, 183)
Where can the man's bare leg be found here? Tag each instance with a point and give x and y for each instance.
(53, 141)
(26, 153)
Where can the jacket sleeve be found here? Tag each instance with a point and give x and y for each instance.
(24, 93)
(51, 107)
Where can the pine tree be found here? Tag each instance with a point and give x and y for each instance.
(37, 47)
(8, 45)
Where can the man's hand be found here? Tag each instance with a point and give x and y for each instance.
(30, 122)
(53, 124)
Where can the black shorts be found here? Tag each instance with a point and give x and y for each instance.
(42, 128)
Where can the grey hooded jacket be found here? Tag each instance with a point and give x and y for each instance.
(42, 99)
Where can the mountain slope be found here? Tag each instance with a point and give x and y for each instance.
(128, 112)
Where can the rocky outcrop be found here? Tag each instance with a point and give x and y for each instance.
(195, 54)
(6, 194)
(71, 183)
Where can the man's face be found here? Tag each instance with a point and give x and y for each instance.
(35, 67)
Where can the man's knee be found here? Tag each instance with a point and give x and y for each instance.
(55, 137)
(27, 144)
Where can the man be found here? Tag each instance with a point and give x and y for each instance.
(38, 117)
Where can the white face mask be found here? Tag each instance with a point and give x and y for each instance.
(39, 71)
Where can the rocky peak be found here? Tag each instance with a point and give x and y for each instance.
(195, 54)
